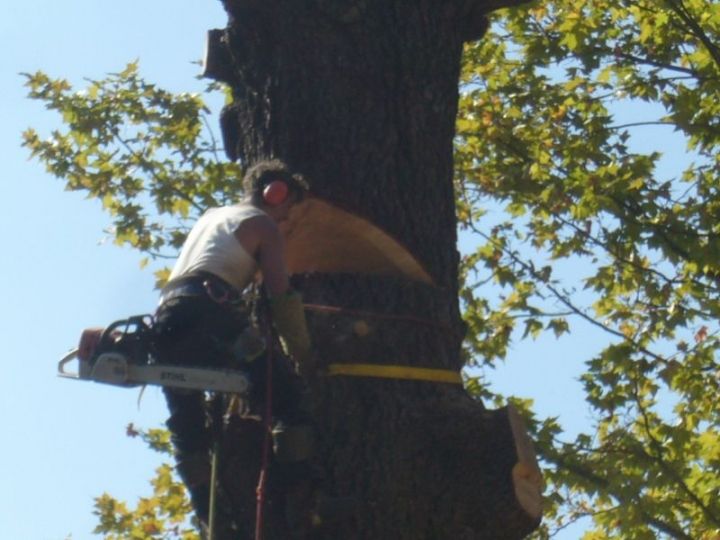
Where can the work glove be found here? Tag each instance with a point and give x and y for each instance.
(289, 318)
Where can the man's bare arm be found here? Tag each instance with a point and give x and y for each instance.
(261, 238)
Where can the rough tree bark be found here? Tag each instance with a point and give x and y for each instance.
(361, 97)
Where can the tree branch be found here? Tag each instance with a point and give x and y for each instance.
(664, 527)
(633, 211)
(695, 29)
(662, 463)
(563, 299)
(649, 62)
(213, 141)
(638, 124)
(602, 483)
(151, 170)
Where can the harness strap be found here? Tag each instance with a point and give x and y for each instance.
(202, 284)
(409, 373)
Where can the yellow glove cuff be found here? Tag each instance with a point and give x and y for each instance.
(289, 318)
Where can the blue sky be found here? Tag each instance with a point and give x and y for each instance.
(63, 441)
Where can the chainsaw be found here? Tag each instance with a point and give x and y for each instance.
(123, 358)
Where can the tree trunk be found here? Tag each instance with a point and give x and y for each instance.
(361, 97)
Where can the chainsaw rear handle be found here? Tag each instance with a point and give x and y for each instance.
(111, 333)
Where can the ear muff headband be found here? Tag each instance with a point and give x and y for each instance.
(275, 193)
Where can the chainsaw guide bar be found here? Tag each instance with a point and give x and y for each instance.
(115, 369)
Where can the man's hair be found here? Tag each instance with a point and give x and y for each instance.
(263, 173)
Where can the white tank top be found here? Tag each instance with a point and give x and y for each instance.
(212, 246)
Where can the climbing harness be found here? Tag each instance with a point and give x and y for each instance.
(202, 284)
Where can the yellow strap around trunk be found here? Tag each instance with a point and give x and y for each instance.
(395, 372)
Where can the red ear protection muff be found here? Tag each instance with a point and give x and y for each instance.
(275, 193)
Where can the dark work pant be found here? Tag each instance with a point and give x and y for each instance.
(196, 331)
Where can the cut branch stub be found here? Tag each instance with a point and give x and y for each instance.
(217, 64)
(477, 454)
(527, 477)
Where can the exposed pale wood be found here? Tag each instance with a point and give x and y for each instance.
(526, 473)
(321, 237)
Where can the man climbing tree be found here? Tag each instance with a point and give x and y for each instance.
(361, 96)
(202, 319)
